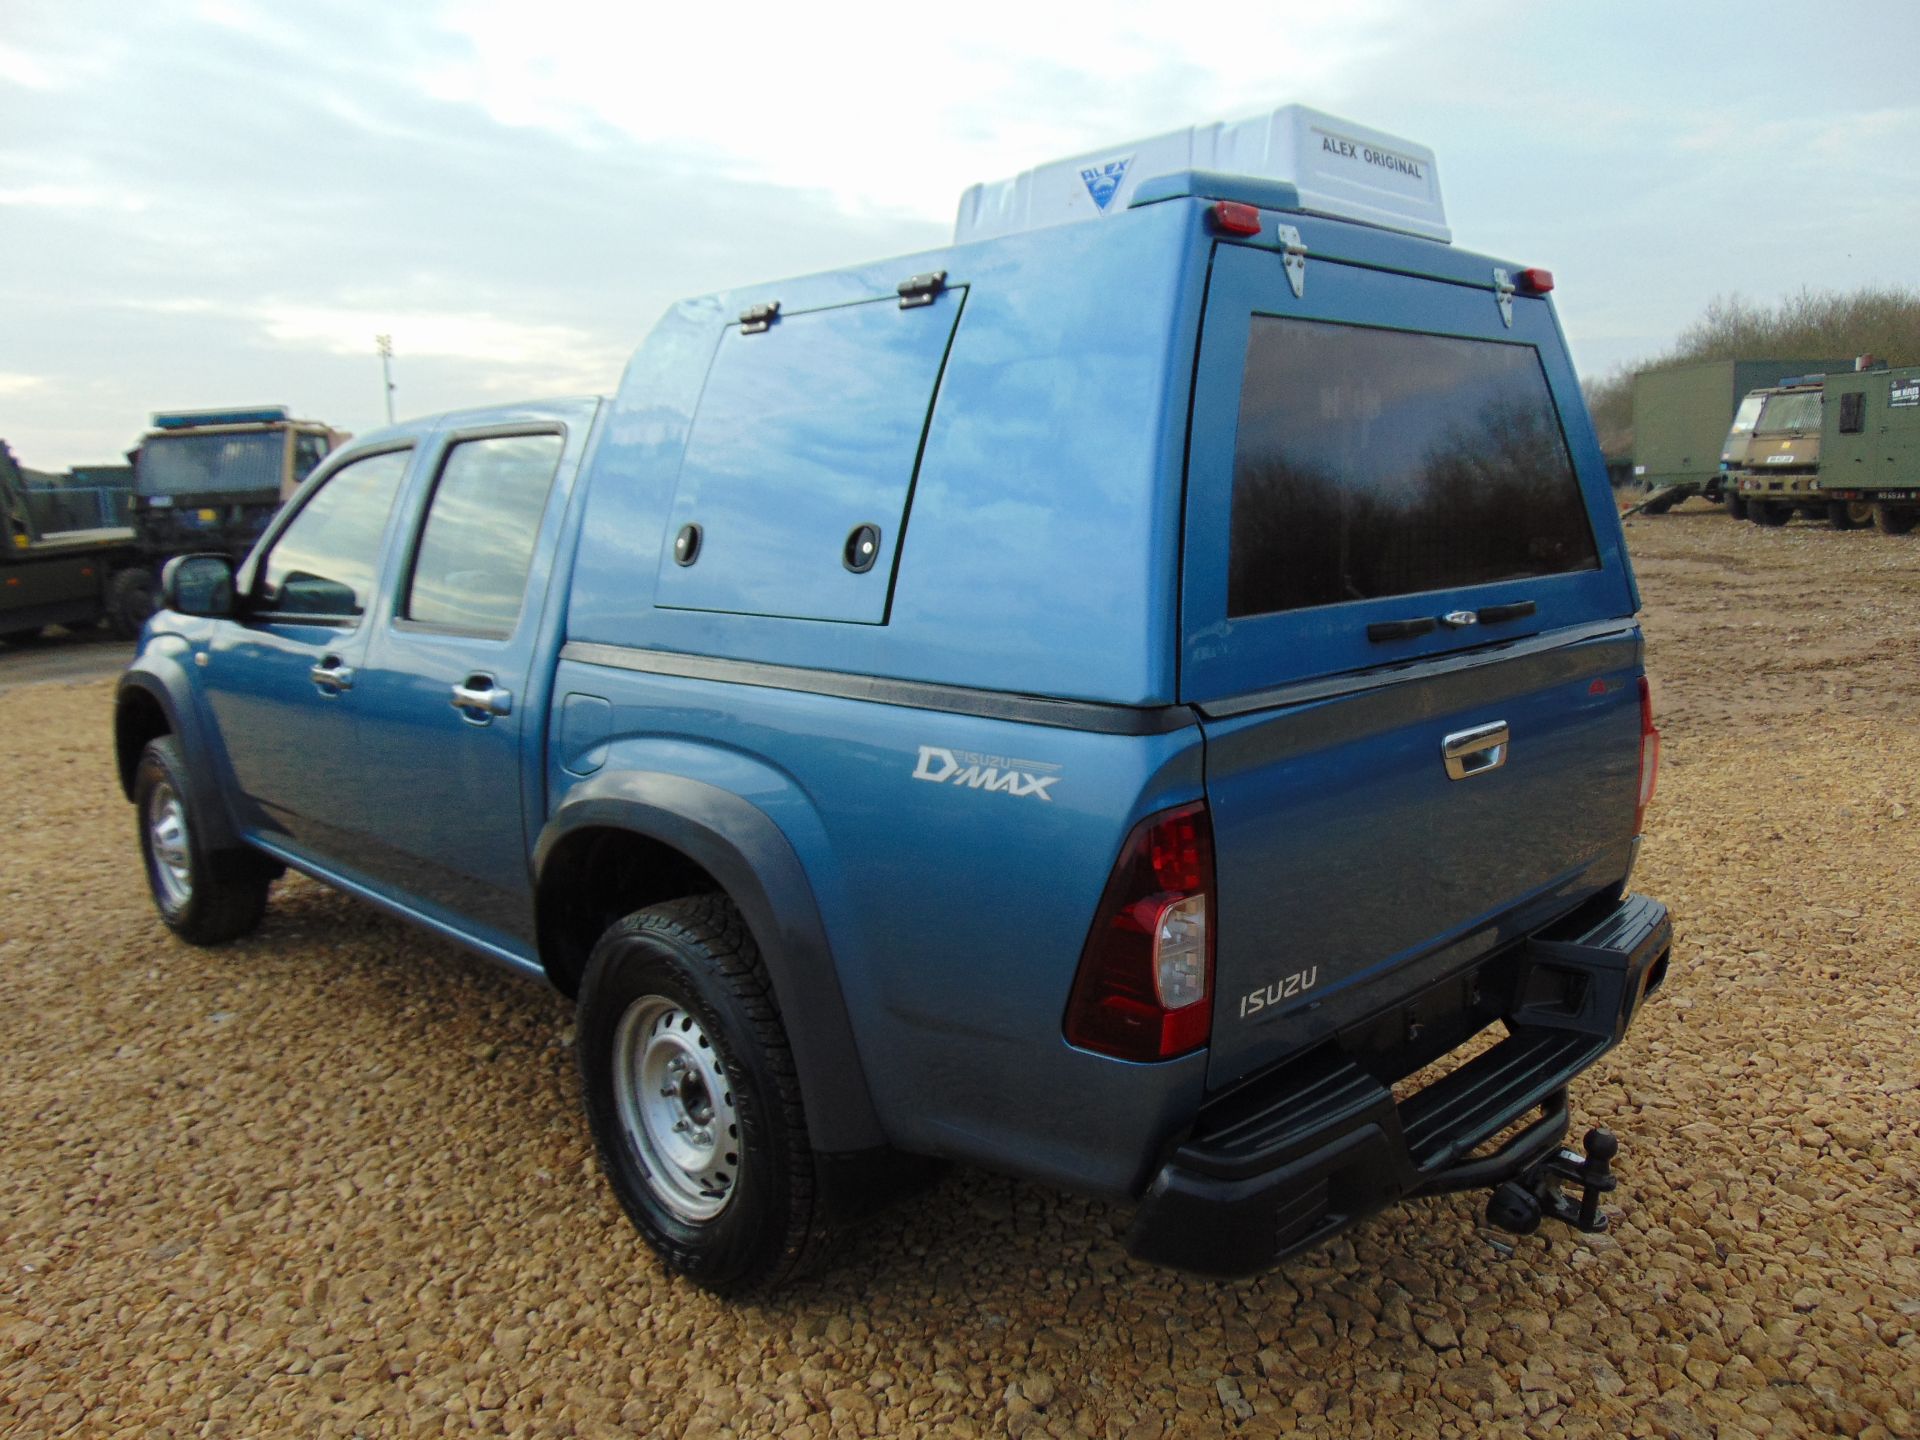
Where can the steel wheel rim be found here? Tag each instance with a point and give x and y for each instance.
(169, 850)
(676, 1108)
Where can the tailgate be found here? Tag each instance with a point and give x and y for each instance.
(1390, 552)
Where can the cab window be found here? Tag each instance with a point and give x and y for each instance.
(324, 564)
(476, 546)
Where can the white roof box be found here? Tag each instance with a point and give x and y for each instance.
(1339, 168)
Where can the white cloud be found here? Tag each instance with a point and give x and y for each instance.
(15, 384)
(884, 109)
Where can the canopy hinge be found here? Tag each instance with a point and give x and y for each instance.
(919, 290)
(758, 318)
(1293, 255)
(1503, 292)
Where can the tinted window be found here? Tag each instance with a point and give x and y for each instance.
(323, 563)
(1853, 412)
(1370, 463)
(471, 568)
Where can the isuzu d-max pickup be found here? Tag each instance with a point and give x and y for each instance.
(1147, 697)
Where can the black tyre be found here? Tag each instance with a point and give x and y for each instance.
(691, 1091)
(21, 637)
(1769, 512)
(1736, 505)
(1848, 514)
(206, 896)
(130, 600)
(1895, 519)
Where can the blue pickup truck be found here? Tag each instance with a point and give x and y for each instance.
(1149, 701)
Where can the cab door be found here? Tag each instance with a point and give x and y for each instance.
(281, 679)
(452, 702)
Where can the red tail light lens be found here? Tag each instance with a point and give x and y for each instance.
(1649, 756)
(1535, 280)
(1144, 989)
(1235, 218)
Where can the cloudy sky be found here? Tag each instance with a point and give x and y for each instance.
(222, 202)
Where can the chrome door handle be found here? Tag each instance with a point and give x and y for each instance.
(330, 675)
(1476, 751)
(478, 692)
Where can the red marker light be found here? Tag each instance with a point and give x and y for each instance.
(1536, 280)
(1235, 218)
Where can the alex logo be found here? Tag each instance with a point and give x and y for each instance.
(984, 772)
(1102, 181)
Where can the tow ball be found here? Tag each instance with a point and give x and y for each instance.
(1521, 1204)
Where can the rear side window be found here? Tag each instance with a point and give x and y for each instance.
(1370, 463)
(324, 562)
(471, 568)
(1853, 413)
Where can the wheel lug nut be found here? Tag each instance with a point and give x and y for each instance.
(680, 1127)
(705, 1137)
(666, 1092)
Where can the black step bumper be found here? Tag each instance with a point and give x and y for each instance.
(1293, 1156)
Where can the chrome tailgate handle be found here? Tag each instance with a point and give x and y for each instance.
(1476, 751)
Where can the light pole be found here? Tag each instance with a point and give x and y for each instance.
(385, 345)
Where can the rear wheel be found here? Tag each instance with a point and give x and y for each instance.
(206, 896)
(694, 1101)
(1769, 512)
(1895, 519)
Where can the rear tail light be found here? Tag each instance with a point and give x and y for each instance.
(1144, 988)
(1535, 281)
(1649, 756)
(1235, 218)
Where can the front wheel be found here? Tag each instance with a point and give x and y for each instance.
(1848, 514)
(207, 897)
(693, 1098)
(130, 602)
(1769, 512)
(1736, 504)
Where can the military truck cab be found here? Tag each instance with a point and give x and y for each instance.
(1781, 468)
(210, 480)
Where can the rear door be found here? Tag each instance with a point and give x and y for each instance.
(1407, 627)
(451, 707)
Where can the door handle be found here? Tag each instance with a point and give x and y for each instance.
(478, 692)
(1474, 752)
(332, 676)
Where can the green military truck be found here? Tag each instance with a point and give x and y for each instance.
(56, 561)
(1871, 446)
(1682, 416)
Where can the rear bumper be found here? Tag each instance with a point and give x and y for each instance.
(1288, 1159)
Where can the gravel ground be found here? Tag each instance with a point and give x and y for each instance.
(334, 1180)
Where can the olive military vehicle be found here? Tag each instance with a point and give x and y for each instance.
(1680, 422)
(1871, 444)
(1782, 469)
(57, 558)
(209, 481)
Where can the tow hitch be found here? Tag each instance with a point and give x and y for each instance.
(1522, 1203)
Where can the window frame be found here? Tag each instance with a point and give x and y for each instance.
(403, 591)
(255, 568)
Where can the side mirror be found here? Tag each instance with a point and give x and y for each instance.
(198, 585)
